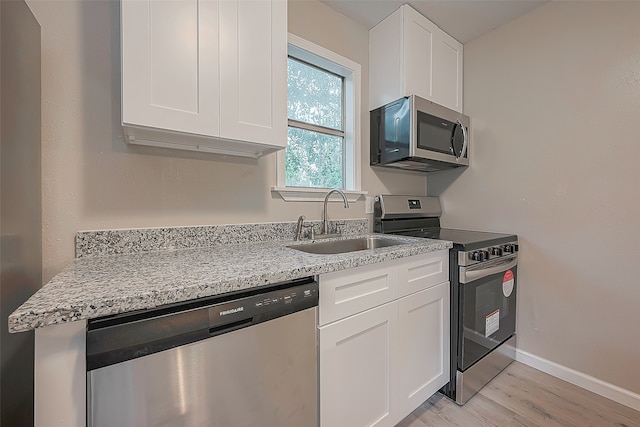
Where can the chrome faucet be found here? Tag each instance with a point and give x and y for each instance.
(325, 222)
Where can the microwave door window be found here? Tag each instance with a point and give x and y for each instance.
(434, 134)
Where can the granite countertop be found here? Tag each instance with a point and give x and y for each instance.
(92, 287)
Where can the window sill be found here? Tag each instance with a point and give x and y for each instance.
(298, 194)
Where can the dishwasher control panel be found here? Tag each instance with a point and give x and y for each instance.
(270, 304)
(287, 298)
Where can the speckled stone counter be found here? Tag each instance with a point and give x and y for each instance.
(130, 241)
(95, 286)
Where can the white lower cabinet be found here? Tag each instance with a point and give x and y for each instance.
(423, 346)
(359, 369)
(380, 362)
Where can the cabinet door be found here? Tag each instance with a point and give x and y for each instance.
(359, 369)
(447, 71)
(169, 65)
(253, 71)
(386, 80)
(423, 346)
(419, 35)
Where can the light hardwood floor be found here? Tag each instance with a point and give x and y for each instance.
(524, 396)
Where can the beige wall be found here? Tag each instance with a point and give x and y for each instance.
(555, 104)
(554, 99)
(93, 180)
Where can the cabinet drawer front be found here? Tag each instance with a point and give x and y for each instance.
(348, 292)
(423, 271)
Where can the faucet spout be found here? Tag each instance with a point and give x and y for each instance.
(325, 220)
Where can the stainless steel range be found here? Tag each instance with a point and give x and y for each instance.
(483, 275)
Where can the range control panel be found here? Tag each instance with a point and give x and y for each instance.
(488, 253)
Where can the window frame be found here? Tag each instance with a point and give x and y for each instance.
(318, 56)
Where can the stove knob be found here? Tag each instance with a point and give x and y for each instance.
(508, 249)
(516, 247)
(496, 251)
(475, 256)
(484, 255)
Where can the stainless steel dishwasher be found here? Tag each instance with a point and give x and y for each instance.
(248, 359)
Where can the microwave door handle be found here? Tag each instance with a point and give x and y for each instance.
(396, 123)
(465, 139)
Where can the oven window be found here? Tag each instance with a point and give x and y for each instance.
(488, 317)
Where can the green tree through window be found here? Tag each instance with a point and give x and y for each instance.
(315, 154)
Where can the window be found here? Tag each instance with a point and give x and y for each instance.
(323, 149)
(315, 145)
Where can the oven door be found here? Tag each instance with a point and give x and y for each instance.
(487, 315)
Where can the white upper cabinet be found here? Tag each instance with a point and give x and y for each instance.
(410, 55)
(205, 75)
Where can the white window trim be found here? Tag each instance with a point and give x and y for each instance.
(351, 70)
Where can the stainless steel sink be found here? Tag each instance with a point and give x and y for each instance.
(348, 245)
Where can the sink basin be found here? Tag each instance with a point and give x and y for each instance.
(348, 245)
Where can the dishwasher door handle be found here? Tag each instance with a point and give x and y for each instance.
(230, 327)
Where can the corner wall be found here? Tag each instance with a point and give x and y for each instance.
(554, 99)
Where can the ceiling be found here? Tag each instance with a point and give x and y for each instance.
(463, 20)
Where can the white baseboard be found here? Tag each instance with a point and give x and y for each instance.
(605, 389)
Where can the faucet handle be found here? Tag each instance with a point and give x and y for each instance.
(312, 234)
(339, 225)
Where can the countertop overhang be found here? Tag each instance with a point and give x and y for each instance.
(93, 287)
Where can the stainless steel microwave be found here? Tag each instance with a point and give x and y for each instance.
(413, 133)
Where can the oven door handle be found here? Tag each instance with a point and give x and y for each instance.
(467, 275)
